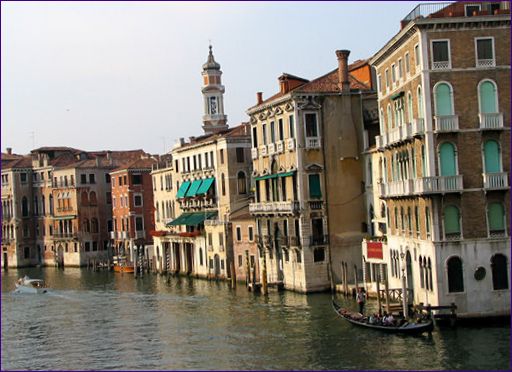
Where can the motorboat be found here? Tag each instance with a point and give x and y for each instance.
(32, 286)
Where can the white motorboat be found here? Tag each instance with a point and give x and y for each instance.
(33, 286)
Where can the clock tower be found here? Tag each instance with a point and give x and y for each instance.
(214, 119)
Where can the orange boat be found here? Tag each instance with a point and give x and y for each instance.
(123, 269)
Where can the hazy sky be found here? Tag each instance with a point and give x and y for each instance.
(127, 75)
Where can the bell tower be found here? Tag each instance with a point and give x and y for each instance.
(214, 119)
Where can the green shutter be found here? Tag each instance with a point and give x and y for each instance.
(487, 98)
(495, 215)
(447, 154)
(451, 220)
(492, 157)
(443, 100)
(314, 186)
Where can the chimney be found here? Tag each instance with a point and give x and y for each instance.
(343, 82)
(259, 98)
(9, 150)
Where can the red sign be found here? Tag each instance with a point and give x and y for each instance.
(374, 249)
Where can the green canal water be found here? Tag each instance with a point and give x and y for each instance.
(102, 320)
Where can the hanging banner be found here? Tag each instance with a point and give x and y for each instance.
(374, 250)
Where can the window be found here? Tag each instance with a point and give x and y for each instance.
(272, 132)
(407, 64)
(417, 55)
(447, 159)
(92, 198)
(492, 161)
(221, 239)
(319, 255)
(120, 180)
(240, 260)
(393, 73)
(440, 54)
(443, 99)
(241, 183)
(87, 246)
(254, 137)
(250, 232)
(281, 129)
(427, 221)
(137, 200)
(239, 154)
(420, 103)
(201, 256)
(92, 178)
(238, 234)
(223, 184)
(499, 272)
(107, 178)
(390, 118)
(24, 207)
(488, 97)
(472, 8)
(315, 191)
(213, 105)
(485, 52)
(386, 77)
(264, 131)
(496, 219)
(139, 224)
(298, 256)
(136, 179)
(125, 180)
(410, 113)
(83, 179)
(311, 125)
(451, 222)
(221, 156)
(291, 126)
(455, 277)
(400, 69)
(417, 220)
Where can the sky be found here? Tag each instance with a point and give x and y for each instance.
(127, 75)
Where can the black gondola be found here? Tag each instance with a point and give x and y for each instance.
(406, 328)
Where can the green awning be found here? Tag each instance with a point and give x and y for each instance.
(397, 95)
(183, 189)
(265, 177)
(192, 219)
(205, 186)
(286, 174)
(192, 191)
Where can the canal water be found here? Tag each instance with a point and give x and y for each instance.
(103, 320)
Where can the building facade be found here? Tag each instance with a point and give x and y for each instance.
(307, 145)
(443, 167)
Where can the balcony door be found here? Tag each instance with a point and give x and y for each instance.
(492, 157)
(443, 99)
(488, 99)
(317, 227)
(448, 165)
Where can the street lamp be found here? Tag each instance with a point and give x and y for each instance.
(404, 290)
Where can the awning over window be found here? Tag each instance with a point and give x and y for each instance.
(266, 177)
(286, 174)
(183, 189)
(397, 95)
(192, 191)
(205, 186)
(192, 219)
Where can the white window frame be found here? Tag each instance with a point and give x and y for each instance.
(238, 229)
(393, 73)
(434, 89)
(250, 228)
(417, 55)
(471, 4)
(449, 66)
(400, 65)
(480, 98)
(386, 77)
(493, 64)
(407, 62)
(141, 200)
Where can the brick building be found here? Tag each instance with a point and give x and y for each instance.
(442, 171)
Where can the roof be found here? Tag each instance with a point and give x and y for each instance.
(141, 163)
(242, 130)
(21, 162)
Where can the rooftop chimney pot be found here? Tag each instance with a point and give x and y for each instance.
(9, 150)
(259, 97)
(343, 82)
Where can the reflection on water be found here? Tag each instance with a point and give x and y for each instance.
(102, 320)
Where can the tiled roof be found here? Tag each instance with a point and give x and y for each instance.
(241, 130)
(22, 162)
(56, 148)
(146, 163)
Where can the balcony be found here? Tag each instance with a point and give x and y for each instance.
(438, 184)
(140, 234)
(65, 235)
(441, 65)
(313, 142)
(397, 188)
(491, 121)
(271, 148)
(254, 153)
(315, 240)
(401, 133)
(279, 147)
(416, 128)
(263, 150)
(446, 123)
(483, 63)
(280, 207)
(316, 204)
(495, 181)
(189, 234)
(290, 144)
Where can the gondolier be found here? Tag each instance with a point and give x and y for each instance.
(361, 299)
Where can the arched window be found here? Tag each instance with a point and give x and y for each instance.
(447, 159)
(201, 256)
(94, 225)
(422, 278)
(51, 204)
(84, 198)
(87, 226)
(402, 223)
(43, 206)
(496, 219)
(396, 218)
(242, 183)
(429, 277)
(451, 222)
(455, 276)
(443, 99)
(390, 118)
(24, 206)
(36, 205)
(383, 210)
(499, 272)
(420, 102)
(492, 161)
(92, 198)
(381, 121)
(488, 97)
(223, 184)
(410, 114)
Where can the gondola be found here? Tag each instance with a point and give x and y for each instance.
(406, 328)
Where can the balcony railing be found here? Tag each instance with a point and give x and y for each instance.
(271, 148)
(495, 181)
(189, 234)
(440, 65)
(254, 153)
(446, 123)
(316, 204)
(279, 147)
(263, 150)
(313, 142)
(438, 184)
(65, 235)
(141, 234)
(401, 133)
(314, 240)
(274, 207)
(485, 63)
(491, 121)
(397, 188)
(417, 127)
(290, 144)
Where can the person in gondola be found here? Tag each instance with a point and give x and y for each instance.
(361, 299)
